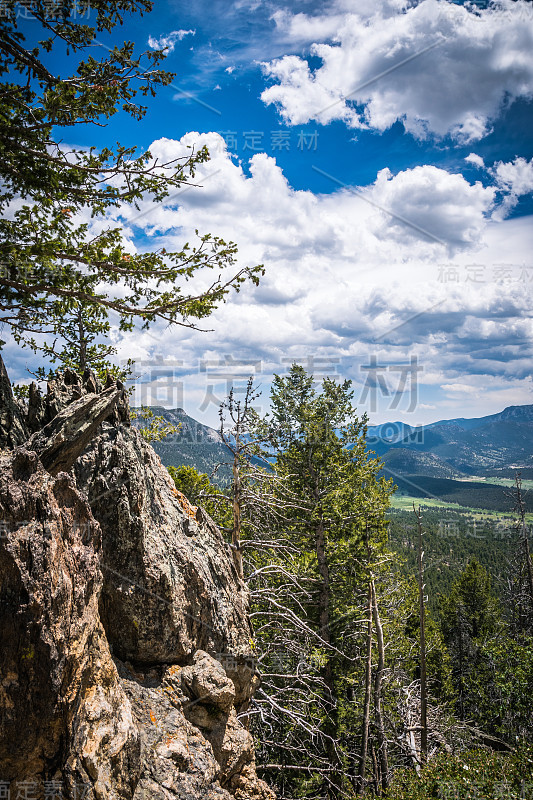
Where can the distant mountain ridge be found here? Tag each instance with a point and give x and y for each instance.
(190, 430)
(194, 444)
(460, 447)
(497, 444)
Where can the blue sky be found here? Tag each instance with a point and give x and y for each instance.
(377, 158)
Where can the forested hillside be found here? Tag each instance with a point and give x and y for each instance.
(464, 493)
(189, 443)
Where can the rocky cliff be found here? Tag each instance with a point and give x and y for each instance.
(125, 646)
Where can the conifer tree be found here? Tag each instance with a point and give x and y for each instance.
(51, 254)
(320, 450)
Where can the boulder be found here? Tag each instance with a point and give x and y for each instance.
(63, 439)
(207, 682)
(177, 761)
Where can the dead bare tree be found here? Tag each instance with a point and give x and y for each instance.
(524, 537)
(368, 689)
(237, 439)
(422, 617)
(520, 580)
(380, 726)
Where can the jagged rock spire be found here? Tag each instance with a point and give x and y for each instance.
(13, 429)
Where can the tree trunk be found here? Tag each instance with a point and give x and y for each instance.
(529, 567)
(380, 728)
(422, 614)
(331, 787)
(368, 687)
(236, 532)
(325, 595)
(525, 540)
(461, 664)
(376, 771)
(82, 342)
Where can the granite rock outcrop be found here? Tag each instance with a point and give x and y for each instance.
(125, 644)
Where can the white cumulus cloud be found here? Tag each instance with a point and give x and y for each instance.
(515, 179)
(477, 161)
(439, 67)
(430, 202)
(515, 176)
(349, 274)
(168, 41)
